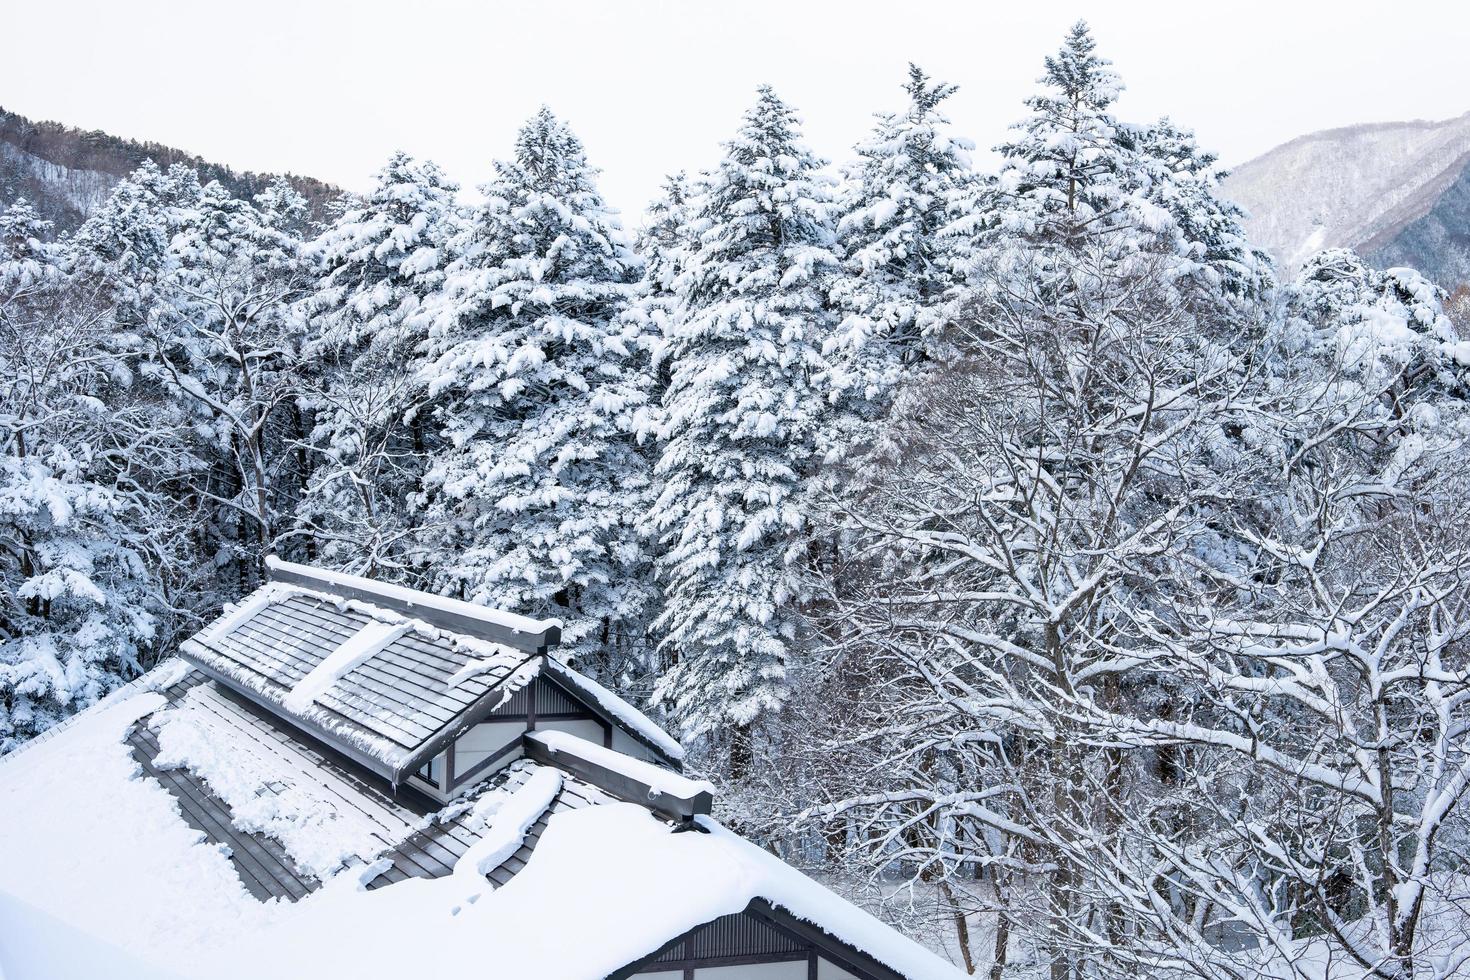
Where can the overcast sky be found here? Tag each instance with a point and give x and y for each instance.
(651, 87)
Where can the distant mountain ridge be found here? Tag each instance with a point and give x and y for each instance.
(1398, 193)
(65, 172)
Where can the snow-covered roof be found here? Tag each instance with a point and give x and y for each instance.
(522, 632)
(355, 662)
(102, 860)
(666, 793)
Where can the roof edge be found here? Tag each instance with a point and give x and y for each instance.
(678, 798)
(188, 652)
(468, 718)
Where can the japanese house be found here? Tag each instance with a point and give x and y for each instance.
(333, 729)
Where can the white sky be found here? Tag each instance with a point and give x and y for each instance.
(652, 86)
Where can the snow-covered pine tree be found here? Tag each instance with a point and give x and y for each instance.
(663, 246)
(1065, 174)
(124, 245)
(898, 269)
(536, 380)
(77, 605)
(661, 241)
(743, 420)
(378, 263)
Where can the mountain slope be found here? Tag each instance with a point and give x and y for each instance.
(65, 172)
(1438, 242)
(1396, 192)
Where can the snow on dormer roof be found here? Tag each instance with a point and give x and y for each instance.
(386, 675)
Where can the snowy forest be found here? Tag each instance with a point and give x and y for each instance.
(1015, 550)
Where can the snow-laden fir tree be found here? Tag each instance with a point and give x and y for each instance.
(124, 244)
(1065, 173)
(743, 421)
(536, 378)
(1179, 176)
(77, 607)
(661, 240)
(663, 247)
(378, 263)
(1074, 176)
(898, 269)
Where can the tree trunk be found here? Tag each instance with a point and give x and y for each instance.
(961, 926)
(742, 753)
(1002, 941)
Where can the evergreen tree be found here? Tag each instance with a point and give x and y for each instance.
(898, 269)
(743, 420)
(378, 263)
(77, 605)
(535, 380)
(663, 247)
(1185, 181)
(661, 241)
(1066, 174)
(124, 244)
(1076, 179)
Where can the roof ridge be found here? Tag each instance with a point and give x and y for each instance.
(455, 615)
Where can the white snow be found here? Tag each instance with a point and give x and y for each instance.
(247, 609)
(645, 772)
(85, 842)
(498, 658)
(168, 673)
(606, 886)
(356, 650)
(627, 715)
(105, 861)
(35, 945)
(506, 819)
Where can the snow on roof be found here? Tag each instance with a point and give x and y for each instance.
(97, 857)
(359, 648)
(379, 684)
(398, 595)
(655, 777)
(87, 844)
(605, 887)
(783, 886)
(383, 686)
(320, 819)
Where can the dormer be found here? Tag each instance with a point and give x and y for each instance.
(425, 691)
